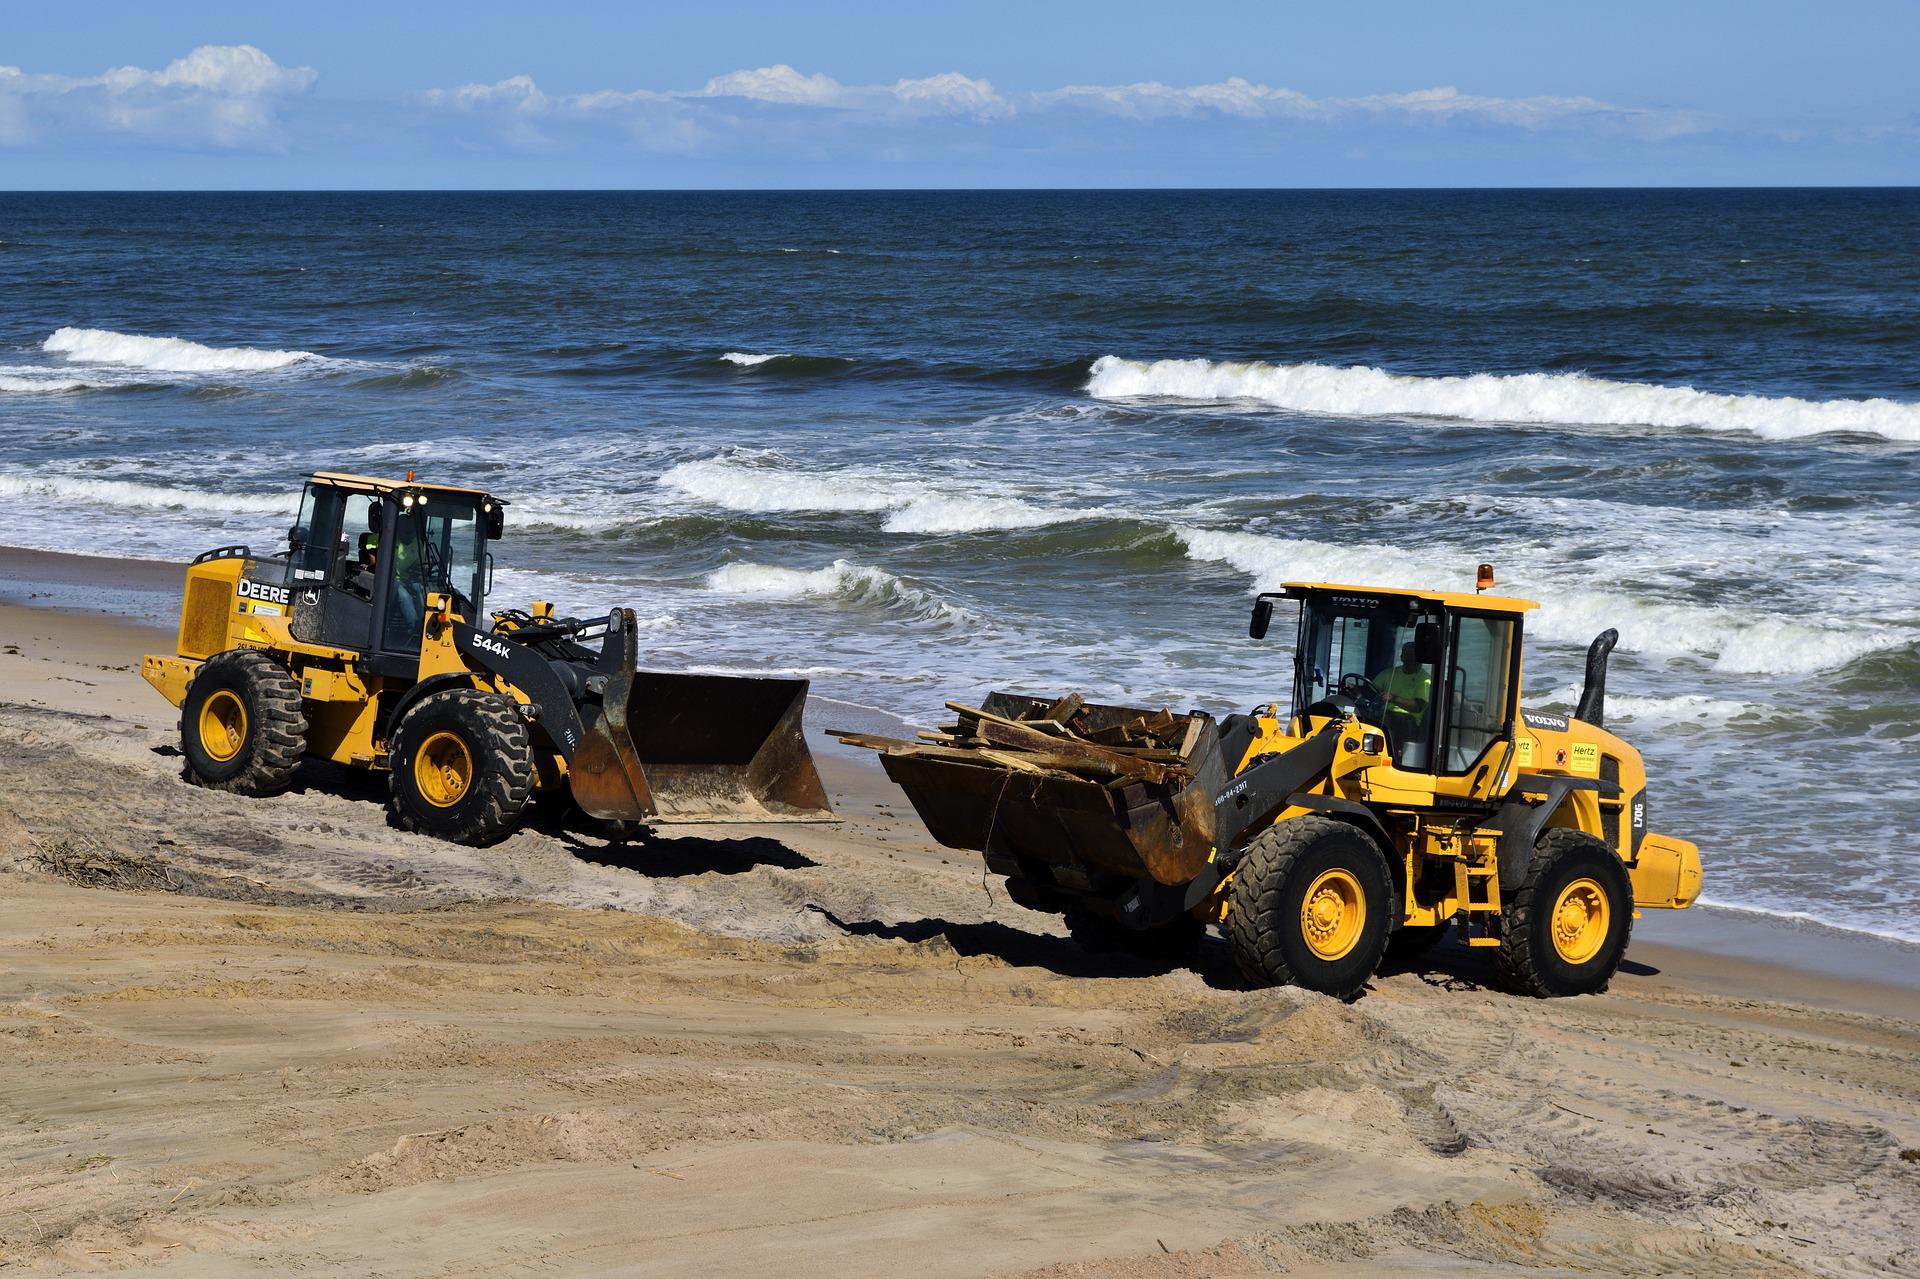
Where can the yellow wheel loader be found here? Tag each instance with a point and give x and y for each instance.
(1402, 792)
(367, 643)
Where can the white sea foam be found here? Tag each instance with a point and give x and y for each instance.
(1908, 934)
(761, 484)
(750, 358)
(24, 379)
(1644, 710)
(1571, 399)
(96, 493)
(164, 354)
(1735, 640)
(844, 582)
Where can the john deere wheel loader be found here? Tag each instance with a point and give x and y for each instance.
(367, 643)
(1401, 792)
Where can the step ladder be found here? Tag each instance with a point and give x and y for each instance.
(1476, 883)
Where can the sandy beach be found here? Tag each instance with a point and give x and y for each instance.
(254, 1036)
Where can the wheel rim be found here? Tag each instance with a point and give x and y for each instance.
(1332, 914)
(443, 770)
(223, 725)
(1581, 917)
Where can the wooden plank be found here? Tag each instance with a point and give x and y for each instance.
(869, 741)
(1064, 708)
(1012, 759)
(1020, 737)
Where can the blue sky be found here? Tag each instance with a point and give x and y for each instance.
(746, 94)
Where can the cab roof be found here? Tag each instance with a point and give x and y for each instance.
(1446, 599)
(369, 484)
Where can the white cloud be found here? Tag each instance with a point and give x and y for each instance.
(680, 119)
(1541, 112)
(778, 84)
(1444, 104)
(220, 95)
(950, 93)
(955, 95)
(1152, 100)
(519, 93)
(232, 70)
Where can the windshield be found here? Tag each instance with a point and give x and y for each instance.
(436, 548)
(1376, 659)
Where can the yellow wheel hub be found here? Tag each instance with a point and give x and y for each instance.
(443, 770)
(1580, 921)
(223, 725)
(1332, 914)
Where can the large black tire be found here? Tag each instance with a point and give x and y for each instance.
(462, 766)
(241, 727)
(1565, 929)
(1341, 870)
(1099, 934)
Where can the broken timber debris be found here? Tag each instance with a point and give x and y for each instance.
(1055, 737)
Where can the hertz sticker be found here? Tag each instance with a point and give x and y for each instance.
(1586, 757)
(1523, 751)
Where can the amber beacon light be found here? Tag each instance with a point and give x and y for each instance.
(1483, 580)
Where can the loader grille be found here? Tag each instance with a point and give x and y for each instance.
(203, 622)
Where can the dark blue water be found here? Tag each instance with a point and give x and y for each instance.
(918, 444)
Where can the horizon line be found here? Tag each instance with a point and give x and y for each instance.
(941, 190)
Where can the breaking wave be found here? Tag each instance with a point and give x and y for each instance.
(1568, 399)
(127, 493)
(164, 354)
(1676, 711)
(1733, 641)
(27, 380)
(787, 363)
(842, 582)
(760, 485)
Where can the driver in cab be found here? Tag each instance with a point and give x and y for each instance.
(1407, 689)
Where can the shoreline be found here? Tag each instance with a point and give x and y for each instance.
(133, 596)
(255, 1035)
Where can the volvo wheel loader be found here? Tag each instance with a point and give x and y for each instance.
(368, 643)
(1401, 792)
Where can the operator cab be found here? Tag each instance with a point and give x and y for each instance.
(364, 554)
(1437, 674)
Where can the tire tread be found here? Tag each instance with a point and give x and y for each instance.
(505, 790)
(1514, 961)
(278, 739)
(1253, 923)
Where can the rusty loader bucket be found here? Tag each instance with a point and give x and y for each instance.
(696, 748)
(1159, 826)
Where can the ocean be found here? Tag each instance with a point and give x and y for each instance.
(914, 446)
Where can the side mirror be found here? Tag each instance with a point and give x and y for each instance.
(376, 515)
(496, 517)
(1262, 618)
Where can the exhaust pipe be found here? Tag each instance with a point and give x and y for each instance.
(1593, 698)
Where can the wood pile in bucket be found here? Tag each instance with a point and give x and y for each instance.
(1056, 738)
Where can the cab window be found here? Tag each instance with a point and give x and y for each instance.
(359, 545)
(1479, 689)
(1377, 659)
(310, 541)
(436, 549)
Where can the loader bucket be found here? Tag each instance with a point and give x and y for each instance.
(1162, 831)
(697, 748)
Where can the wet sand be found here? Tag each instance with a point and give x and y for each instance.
(246, 1036)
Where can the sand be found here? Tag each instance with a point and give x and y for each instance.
(259, 1036)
